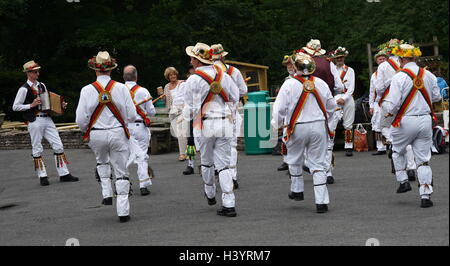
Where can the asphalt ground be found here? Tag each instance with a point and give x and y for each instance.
(363, 205)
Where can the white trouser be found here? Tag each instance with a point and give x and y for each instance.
(332, 125)
(234, 141)
(111, 147)
(348, 116)
(142, 135)
(215, 146)
(180, 128)
(312, 137)
(43, 127)
(376, 127)
(415, 131)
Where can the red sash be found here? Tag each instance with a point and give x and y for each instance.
(230, 70)
(301, 104)
(139, 110)
(198, 121)
(101, 105)
(396, 67)
(343, 73)
(418, 85)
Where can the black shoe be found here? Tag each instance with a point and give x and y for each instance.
(283, 167)
(306, 169)
(188, 171)
(68, 178)
(348, 152)
(228, 212)
(403, 188)
(124, 219)
(235, 184)
(426, 203)
(145, 191)
(297, 196)
(107, 201)
(411, 175)
(330, 180)
(211, 201)
(322, 208)
(389, 151)
(379, 153)
(44, 181)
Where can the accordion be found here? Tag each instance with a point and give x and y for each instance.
(52, 103)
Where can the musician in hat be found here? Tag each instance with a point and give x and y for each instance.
(218, 57)
(379, 58)
(410, 105)
(303, 106)
(386, 71)
(104, 111)
(343, 92)
(31, 100)
(140, 130)
(207, 95)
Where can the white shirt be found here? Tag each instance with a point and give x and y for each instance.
(348, 82)
(338, 85)
(385, 74)
(140, 95)
(196, 90)
(288, 97)
(89, 101)
(178, 94)
(21, 95)
(372, 91)
(402, 84)
(236, 76)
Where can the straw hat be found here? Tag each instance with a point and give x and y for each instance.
(30, 66)
(102, 62)
(313, 48)
(381, 53)
(200, 51)
(218, 52)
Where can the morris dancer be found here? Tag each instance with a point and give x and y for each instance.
(208, 92)
(303, 106)
(386, 71)
(104, 111)
(218, 57)
(380, 57)
(344, 95)
(140, 128)
(412, 93)
(29, 100)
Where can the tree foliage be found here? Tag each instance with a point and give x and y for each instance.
(152, 35)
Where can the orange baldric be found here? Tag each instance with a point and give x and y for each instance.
(418, 85)
(139, 110)
(198, 121)
(230, 70)
(396, 67)
(99, 109)
(301, 104)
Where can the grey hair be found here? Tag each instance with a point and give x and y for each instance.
(130, 75)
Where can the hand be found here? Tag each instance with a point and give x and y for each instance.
(371, 110)
(64, 105)
(36, 102)
(340, 101)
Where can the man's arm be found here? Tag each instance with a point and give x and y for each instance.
(82, 116)
(279, 112)
(18, 105)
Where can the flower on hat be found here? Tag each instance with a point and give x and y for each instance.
(339, 52)
(406, 50)
(391, 44)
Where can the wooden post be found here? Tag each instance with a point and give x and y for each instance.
(436, 46)
(369, 54)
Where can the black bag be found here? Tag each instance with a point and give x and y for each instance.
(439, 140)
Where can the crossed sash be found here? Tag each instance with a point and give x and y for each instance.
(105, 100)
(308, 88)
(198, 121)
(139, 110)
(418, 86)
